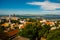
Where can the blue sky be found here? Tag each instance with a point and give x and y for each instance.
(29, 6)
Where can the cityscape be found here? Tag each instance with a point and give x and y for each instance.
(29, 19)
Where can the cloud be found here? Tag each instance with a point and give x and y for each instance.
(46, 5)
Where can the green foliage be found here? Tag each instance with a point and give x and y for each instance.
(54, 35)
(31, 20)
(28, 31)
(34, 30)
(1, 29)
(44, 30)
(15, 21)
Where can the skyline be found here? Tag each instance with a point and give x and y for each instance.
(29, 7)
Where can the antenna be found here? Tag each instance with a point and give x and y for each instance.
(9, 19)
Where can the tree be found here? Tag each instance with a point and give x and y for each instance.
(44, 31)
(15, 21)
(2, 29)
(54, 35)
(31, 20)
(34, 30)
(28, 31)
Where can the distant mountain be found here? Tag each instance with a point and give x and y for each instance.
(47, 16)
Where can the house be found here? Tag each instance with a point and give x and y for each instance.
(5, 24)
(50, 23)
(21, 26)
(42, 21)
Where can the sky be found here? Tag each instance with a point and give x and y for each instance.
(34, 7)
